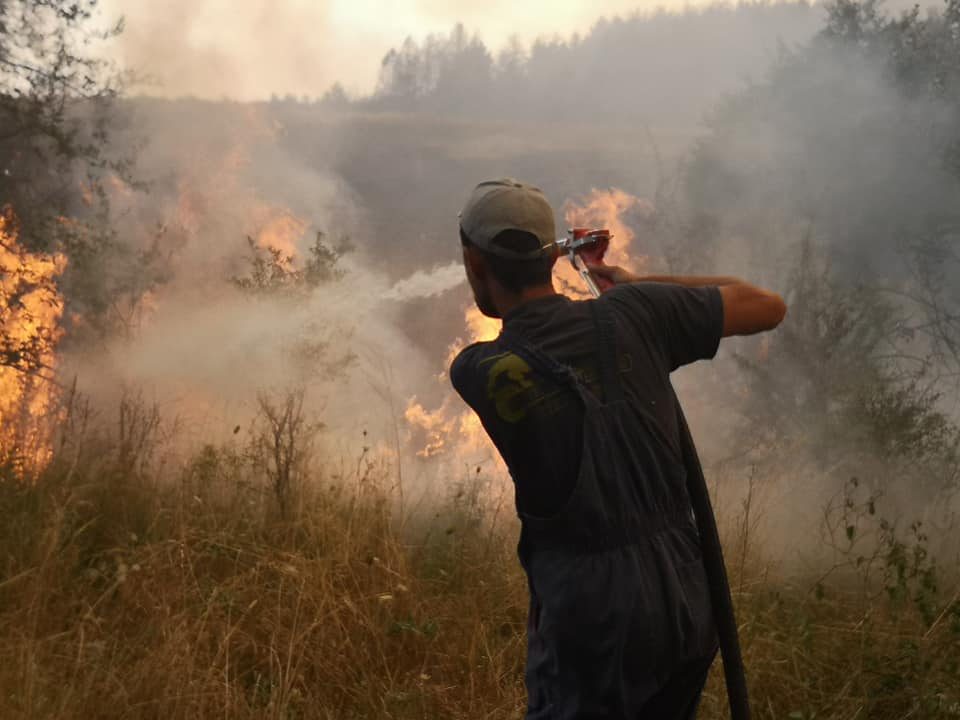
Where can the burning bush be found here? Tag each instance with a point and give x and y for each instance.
(30, 311)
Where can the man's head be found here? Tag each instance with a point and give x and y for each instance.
(508, 234)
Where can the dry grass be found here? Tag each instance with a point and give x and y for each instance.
(125, 597)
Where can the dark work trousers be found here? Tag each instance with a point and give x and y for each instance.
(620, 623)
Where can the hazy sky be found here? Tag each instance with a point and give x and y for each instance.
(252, 48)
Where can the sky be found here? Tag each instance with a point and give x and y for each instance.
(250, 49)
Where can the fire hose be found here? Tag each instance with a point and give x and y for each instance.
(583, 244)
(716, 575)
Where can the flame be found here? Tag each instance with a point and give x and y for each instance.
(434, 425)
(204, 190)
(481, 327)
(214, 183)
(199, 238)
(450, 427)
(30, 311)
(603, 209)
(279, 229)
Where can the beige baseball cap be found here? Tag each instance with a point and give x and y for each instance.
(508, 204)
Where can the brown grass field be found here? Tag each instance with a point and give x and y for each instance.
(134, 589)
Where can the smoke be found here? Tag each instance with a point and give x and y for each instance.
(819, 181)
(824, 146)
(200, 334)
(214, 49)
(251, 51)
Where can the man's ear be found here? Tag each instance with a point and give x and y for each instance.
(474, 260)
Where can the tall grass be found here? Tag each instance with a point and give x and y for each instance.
(132, 588)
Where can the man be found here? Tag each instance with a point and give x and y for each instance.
(577, 398)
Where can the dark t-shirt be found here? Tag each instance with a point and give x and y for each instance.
(536, 424)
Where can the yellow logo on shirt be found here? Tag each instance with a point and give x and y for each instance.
(507, 383)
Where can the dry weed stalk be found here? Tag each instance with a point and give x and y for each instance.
(186, 596)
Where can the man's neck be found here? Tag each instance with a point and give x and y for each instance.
(508, 302)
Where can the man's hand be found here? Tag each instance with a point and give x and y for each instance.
(747, 309)
(613, 274)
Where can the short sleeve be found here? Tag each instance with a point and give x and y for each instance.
(688, 321)
(464, 375)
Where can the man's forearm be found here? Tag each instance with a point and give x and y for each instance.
(746, 309)
(617, 275)
(690, 280)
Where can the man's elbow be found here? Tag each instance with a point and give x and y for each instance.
(749, 310)
(777, 310)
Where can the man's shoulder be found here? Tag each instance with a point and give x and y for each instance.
(469, 361)
(635, 291)
(651, 296)
(635, 297)
(474, 352)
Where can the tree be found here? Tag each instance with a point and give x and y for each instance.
(464, 73)
(57, 161)
(55, 113)
(335, 97)
(401, 73)
(834, 175)
(451, 73)
(282, 278)
(271, 272)
(831, 383)
(661, 66)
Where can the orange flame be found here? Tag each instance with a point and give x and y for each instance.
(603, 209)
(449, 426)
(446, 428)
(30, 311)
(209, 185)
(279, 229)
(433, 424)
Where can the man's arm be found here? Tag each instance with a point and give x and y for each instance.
(747, 309)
